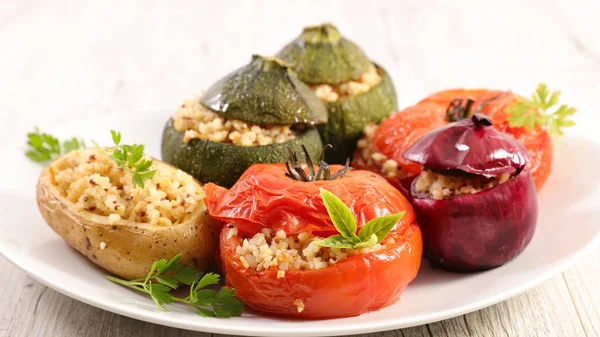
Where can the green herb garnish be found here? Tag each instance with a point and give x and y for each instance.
(130, 157)
(165, 276)
(369, 235)
(44, 147)
(537, 111)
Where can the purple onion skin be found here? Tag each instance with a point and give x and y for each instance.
(471, 145)
(478, 231)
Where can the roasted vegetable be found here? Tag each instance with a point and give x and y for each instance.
(261, 96)
(77, 211)
(278, 202)
(321, 55)
(402, 129)
(265, 92)
(223, 163)
(355, 90)
(355, 285)
(470, 146)
(475, 201)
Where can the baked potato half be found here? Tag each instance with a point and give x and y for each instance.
(94, 206)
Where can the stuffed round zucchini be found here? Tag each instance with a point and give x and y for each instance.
(355, 90)
(250, 116)
(94, 206)
(284, 253)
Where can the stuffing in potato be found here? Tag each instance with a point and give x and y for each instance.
(93, 205)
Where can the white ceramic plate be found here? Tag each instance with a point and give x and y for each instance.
(566, 230)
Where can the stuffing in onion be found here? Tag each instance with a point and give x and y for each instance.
(475, 199)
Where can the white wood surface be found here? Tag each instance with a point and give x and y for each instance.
(61, 60)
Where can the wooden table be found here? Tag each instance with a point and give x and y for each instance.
(63, 59)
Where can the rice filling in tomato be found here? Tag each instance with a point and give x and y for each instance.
(275, 249)
(367, 156)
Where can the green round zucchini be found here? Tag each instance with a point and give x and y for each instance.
(349, 115)
(265, 92)
(223, 163)
(320, 55)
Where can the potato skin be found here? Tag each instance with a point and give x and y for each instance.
(130, 247)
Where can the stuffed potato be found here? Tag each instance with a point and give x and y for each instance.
(93, 205)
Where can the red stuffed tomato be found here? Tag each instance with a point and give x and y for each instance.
(382, 147)
(267, 248)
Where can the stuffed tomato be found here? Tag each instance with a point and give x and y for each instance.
(279, 246)
(382, 146)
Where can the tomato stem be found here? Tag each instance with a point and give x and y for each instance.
(456, 111)
(295, 169)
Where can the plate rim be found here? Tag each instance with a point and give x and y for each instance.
(357, 328)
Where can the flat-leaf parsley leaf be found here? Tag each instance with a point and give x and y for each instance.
(542, 111)
(43, 147)
(167, 275)
(130, 157)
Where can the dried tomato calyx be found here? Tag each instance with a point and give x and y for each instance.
(456, 111)
(296, 171)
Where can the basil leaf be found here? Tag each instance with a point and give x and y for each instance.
(335, 241)
(380, 227)
(372, 241)
(340, 215)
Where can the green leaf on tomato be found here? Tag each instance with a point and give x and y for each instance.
(340, 215)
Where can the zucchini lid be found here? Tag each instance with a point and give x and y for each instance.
(320, 55)
(265, 92)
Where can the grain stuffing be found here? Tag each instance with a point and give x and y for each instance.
(196, 121)
(332, 93)
(93, 182)
(275, 249)
(440, 186)
(385, 166)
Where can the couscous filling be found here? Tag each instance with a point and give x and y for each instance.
(439, 186)
(93, 181)
(196, 121)
(275, 249)
(385, 166)
(332, 93)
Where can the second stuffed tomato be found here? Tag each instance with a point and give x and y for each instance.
(382, 147)
(272, 218)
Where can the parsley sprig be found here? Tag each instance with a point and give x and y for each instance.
(167, 275)
(541, 110)
(369, 235)
(43, 147)
(130, 157)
